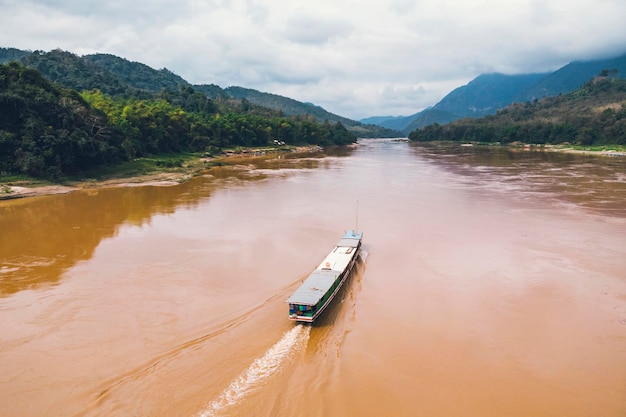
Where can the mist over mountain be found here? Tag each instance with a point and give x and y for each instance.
(482, 96)
(487, 93)
(592, 115)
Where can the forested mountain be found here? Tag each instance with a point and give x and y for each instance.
(11, 54)
(120, 77)
(47, 130)
(482, 96)
(290, 107)
(72, 71)
(380, 119)
(489, 92)
(287, 106)
(428, 117)
(595, 114)
(138, 75)
(572, 76)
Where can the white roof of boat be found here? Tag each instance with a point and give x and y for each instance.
(320, 280)
(314, 287)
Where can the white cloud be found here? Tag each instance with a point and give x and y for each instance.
(354, 58)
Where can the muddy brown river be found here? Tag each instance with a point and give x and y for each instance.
(492, 283)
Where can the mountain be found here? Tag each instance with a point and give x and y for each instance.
(489, 92)
(71, 71)
(291, 107)
(594, 114)
(396, 123)
(48, 130)
(288, 106)
(11, 54)
(572, 76)
(379, 119)
(119, 77)
(138, 75)
(483, 95)
(428, 117)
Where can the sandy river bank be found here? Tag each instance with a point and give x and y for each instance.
(164, 177)
(174, 177)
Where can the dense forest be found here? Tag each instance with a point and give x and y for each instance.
(120, 77)
(47, 130)
(595, 114)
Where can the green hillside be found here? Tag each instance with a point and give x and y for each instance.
(138, 75)
(592, 115)
(488, 93)
(50, 131)
(12, 54)
(46, 130)
(291, 107)
(120, 77)
(72, 71)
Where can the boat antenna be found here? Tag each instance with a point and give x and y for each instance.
(357, 216)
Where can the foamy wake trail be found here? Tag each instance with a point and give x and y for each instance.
(261, 369)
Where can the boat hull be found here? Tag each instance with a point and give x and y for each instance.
(323, 284)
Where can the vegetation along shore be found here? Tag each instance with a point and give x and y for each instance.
(592, 116)
(68, 123)
(164, 170)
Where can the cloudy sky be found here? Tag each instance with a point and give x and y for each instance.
(354, 58)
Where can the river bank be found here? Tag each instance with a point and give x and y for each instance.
(614, 151)
(162, 175)
(494, 278)
(610, 151)
(167, 175)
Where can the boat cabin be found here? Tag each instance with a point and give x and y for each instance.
(320, 287)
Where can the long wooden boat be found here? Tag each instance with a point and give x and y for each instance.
(321, 286)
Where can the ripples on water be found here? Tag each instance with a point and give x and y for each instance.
(594, 183)
(149, 301)
(261, 369)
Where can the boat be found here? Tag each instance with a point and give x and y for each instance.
(322, 285)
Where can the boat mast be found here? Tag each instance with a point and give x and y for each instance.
(357, 216)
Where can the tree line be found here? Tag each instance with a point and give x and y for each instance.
(119, 77)
(50, 131)
(595, 114)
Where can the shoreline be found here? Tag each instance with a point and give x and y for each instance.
(164, 178)
(158, 178)
(544, 148)
(610, 153)
(569, 149)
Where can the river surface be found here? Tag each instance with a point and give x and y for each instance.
(492, 283)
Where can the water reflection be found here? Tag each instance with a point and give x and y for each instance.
(467, 296)
(44, 236)
(594, 183)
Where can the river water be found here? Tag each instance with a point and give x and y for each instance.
(492, 283)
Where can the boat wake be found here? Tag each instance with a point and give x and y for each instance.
(261, 369)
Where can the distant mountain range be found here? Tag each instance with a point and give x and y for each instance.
(487, 93)
(118, 76)
(482, 96)
(592, 115)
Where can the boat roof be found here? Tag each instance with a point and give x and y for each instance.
(314, 287)
(323, 277)
(351, 238)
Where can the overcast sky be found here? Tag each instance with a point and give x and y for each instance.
(354, 58)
